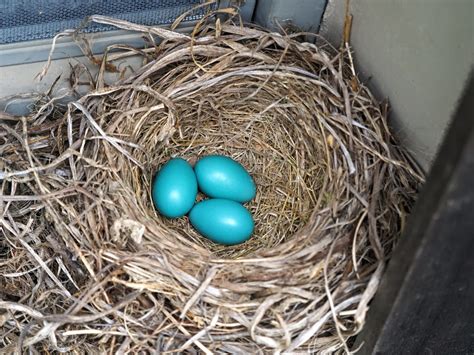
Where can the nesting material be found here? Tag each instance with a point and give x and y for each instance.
(88, 265)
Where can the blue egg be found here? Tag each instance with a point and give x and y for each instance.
(174, 188)
(219, 176)
(222, 221)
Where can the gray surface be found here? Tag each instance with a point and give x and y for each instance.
(305, 14)
(21, 79)
(21, 62)
(246, 9)
(27, 20)
(38, 50)
(415, 52)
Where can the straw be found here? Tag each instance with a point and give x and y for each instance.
(87, 264)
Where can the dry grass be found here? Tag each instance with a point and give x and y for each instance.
(88, 266)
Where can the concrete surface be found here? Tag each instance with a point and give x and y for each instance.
(418, 54)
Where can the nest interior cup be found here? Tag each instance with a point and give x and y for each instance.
(333, 193)
(270, 144)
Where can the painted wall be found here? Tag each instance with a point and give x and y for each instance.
(417, 53)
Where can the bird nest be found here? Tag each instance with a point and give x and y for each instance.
(89, 265)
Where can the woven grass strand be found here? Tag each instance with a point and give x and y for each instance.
(87, 265)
